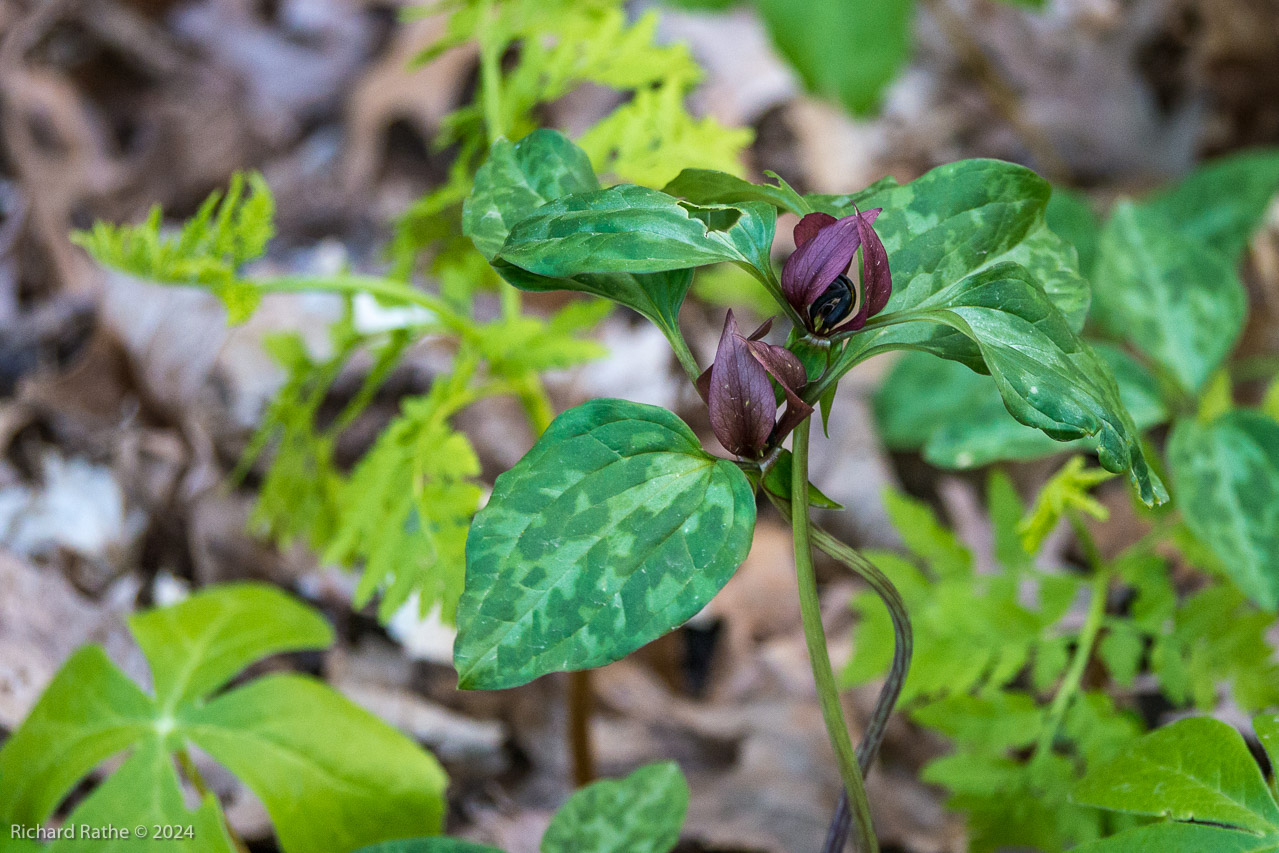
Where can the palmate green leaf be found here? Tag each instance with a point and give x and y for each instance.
(958, 420)
(1227, 479)
(634, 229)
(324, 793)
(145, 792)
(999, 321)
(89, 712)
(197, 645)
(962, 218)
(642, 813)
(1171, 296)
(1194, 769)
(331, 775)
(615, 528)
(819, 37)
(1223, 202)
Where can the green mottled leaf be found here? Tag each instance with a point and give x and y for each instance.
(1071, 218)
(642, 813)
(331, 775)
(516, 179)
(634, 229)
(1227, 479)
(615, 528)
(959, 420)
(145, 792)
(1222, 202)
(819, 40)
(197, 645)
(968, 216)
(1194, 769)
(1182, 838)
(89, 712)
(704, 186)
(999, 321)
(1171, 296)
(431, 844)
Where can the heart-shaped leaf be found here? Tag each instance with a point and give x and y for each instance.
(615, 528)
(965, 217)
(1227, 479)
(634, 229)
(642, 813)
(1172, 297)
(999, 321)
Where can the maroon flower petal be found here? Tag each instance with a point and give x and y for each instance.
(782, 364)
(819, 261)
(742, 406)
(807, 228)
(877, 280)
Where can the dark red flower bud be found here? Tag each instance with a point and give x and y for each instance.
(815, 278)
(743, 407)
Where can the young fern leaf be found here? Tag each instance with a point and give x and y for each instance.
(226, 232)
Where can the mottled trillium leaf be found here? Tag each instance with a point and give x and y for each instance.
(998, 321)
(1182, 838)
(634, 229)
(1071, 217)
(306, 750)
(1223, 202)
(1194, 769)
(958, 420)
(615, 528)
(430, 844)
(642, 813)
(1226, 475)
(1171, 296)
(519, 177)
(962, 218)
(706, 186)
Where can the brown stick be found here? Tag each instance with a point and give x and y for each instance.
(580, 705)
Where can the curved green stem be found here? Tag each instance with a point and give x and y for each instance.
(818, 655)
(682, 353)
(1069, 687)
(903, 648)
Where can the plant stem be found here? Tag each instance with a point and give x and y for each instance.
(580, 707)
(197, 781)
(818, 655)
(903, 638)
(683, 354)
(1087, 640)
(490, 74)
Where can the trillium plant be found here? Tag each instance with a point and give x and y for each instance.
(618, 525)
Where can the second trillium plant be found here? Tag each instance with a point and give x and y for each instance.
(618, 525)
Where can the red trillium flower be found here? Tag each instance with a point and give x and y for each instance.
(742, 403)
(815, 279)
